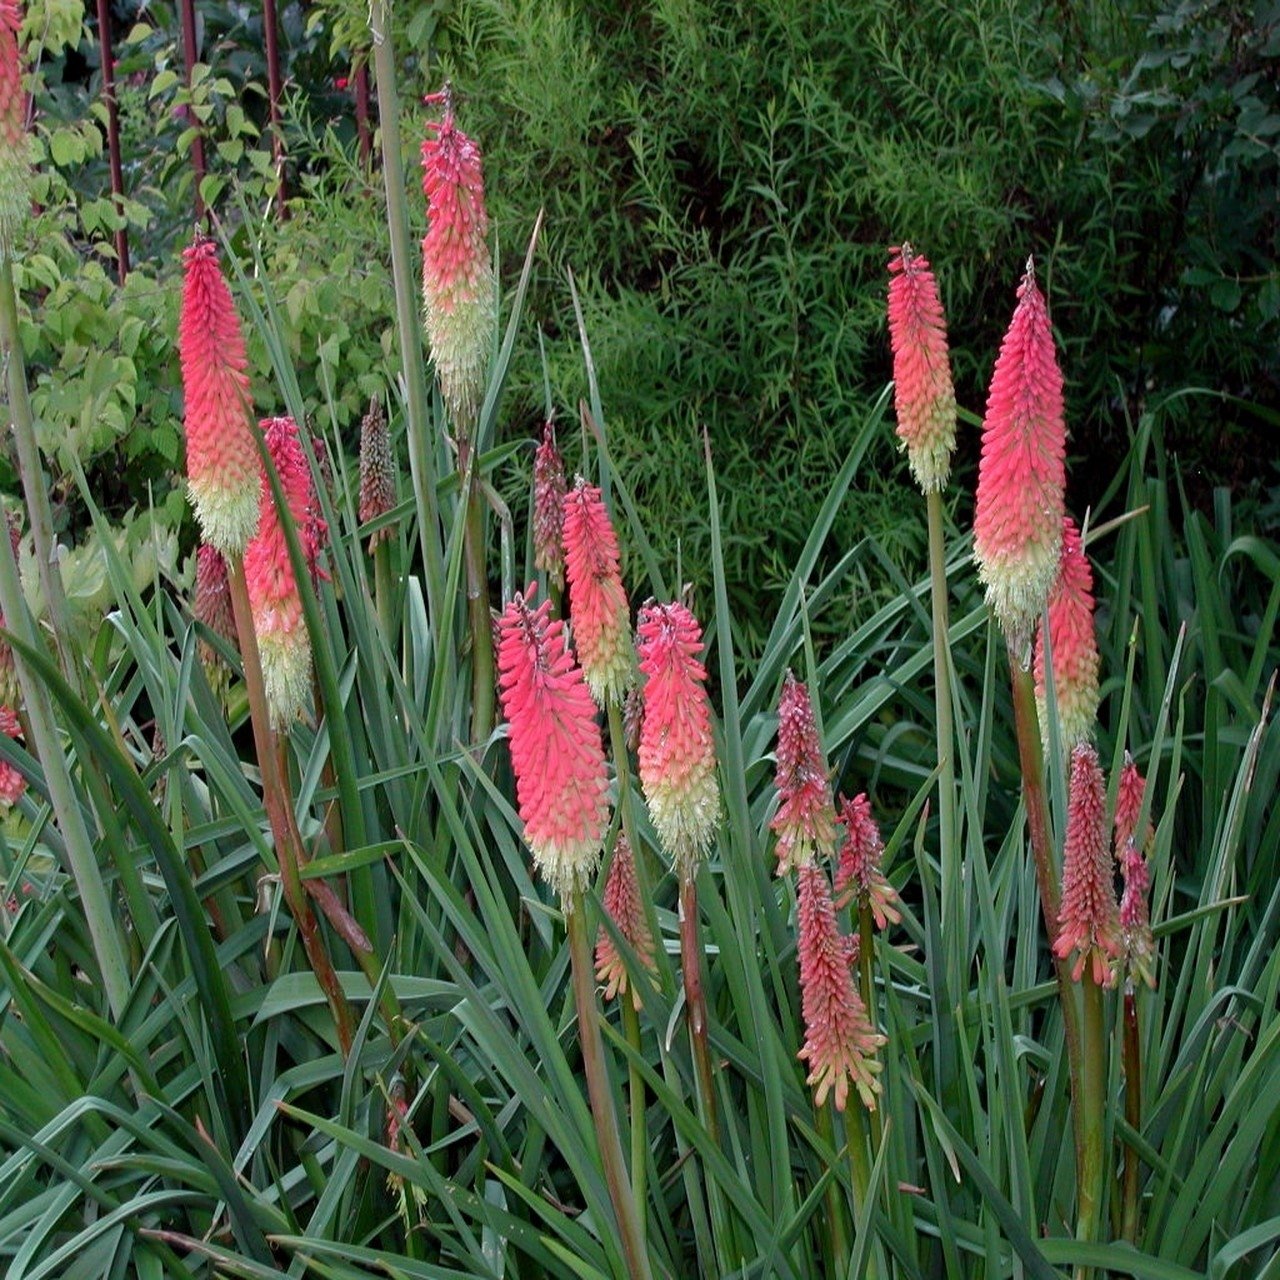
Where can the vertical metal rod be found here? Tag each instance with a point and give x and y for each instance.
(189, 56)
(113, 134)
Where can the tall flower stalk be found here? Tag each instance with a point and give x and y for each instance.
(557, 755)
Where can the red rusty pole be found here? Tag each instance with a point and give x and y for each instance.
(113, 134)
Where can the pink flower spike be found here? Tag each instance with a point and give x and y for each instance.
(213, 604)
(1135, 918)
(15, 151)
(1088, 922)
(840, 1043)
(459, 288)
(598, 607)
(1017, 528)
(622, 905)
(806, 817)
(283, 642)
(377, 472)
(222, 459)
(556, 750)
(859, 872)
(677, 751)
(1073, 644)
(923, 396)
(549, 489)
(12, 782)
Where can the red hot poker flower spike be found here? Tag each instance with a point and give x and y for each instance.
(556, 750)
(458, 284)
(923, 396)
(1088, 922)
(1135, 918)
(549, 490)
(1017, 528)
(859, 872)
(622, 905)
(222, 459)
(1073, 645)
(15, 154)
(278, 621)
(677, 752)
(12, 783)
(598, 606)
(840, 1043)
(806, 817)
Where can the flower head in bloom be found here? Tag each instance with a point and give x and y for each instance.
(1073, 645)
(806, 817)
(549, 489)
(556, 749)
(12, 783)
(377, 471)
(222, 459)
(677, 753)
(1088, 922)
(923, 396)
(283, 643)
(859, 872)
(15, 155)
(458, 284)
(213, 605)
(839, 1041)
(622, 905)
(1017, 528)
(597, 603)
(1135, 918)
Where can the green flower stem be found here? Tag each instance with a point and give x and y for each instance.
(636, 1095)
(866, 974)
(384, 592)
(696, 1002)
(103, 933)
(856, 1134)
(39, 515)
(599, 1093)
(1031, 758)
(478, 612)
(837, 1224)
(1132, 1114)
(421, 448)
(1093, 1114)
(275, 798)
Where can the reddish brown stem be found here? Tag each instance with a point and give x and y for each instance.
(197, 141)
(364, 130)
(113, 134)
(274, 91)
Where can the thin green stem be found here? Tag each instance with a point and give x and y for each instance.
(837, 1225)
(383, 591)
(856, 1130)
(276, 800)
(599, 1093)
(421, 447)
(866, 974)
(482, 672)
(1031, 758)
(34, 491)
(1093, 1106)
(636, 1098)
(83, 865)
(696, 1003)
(1132, 1114)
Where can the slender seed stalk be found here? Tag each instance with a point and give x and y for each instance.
(636, 1097)
(33, 486)
(696, 1003)
(83, 865)
(1133, 1115)
(598, 1091)
(421, 447)
(1092, 1106)
(275, 798)
(1031, 758)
